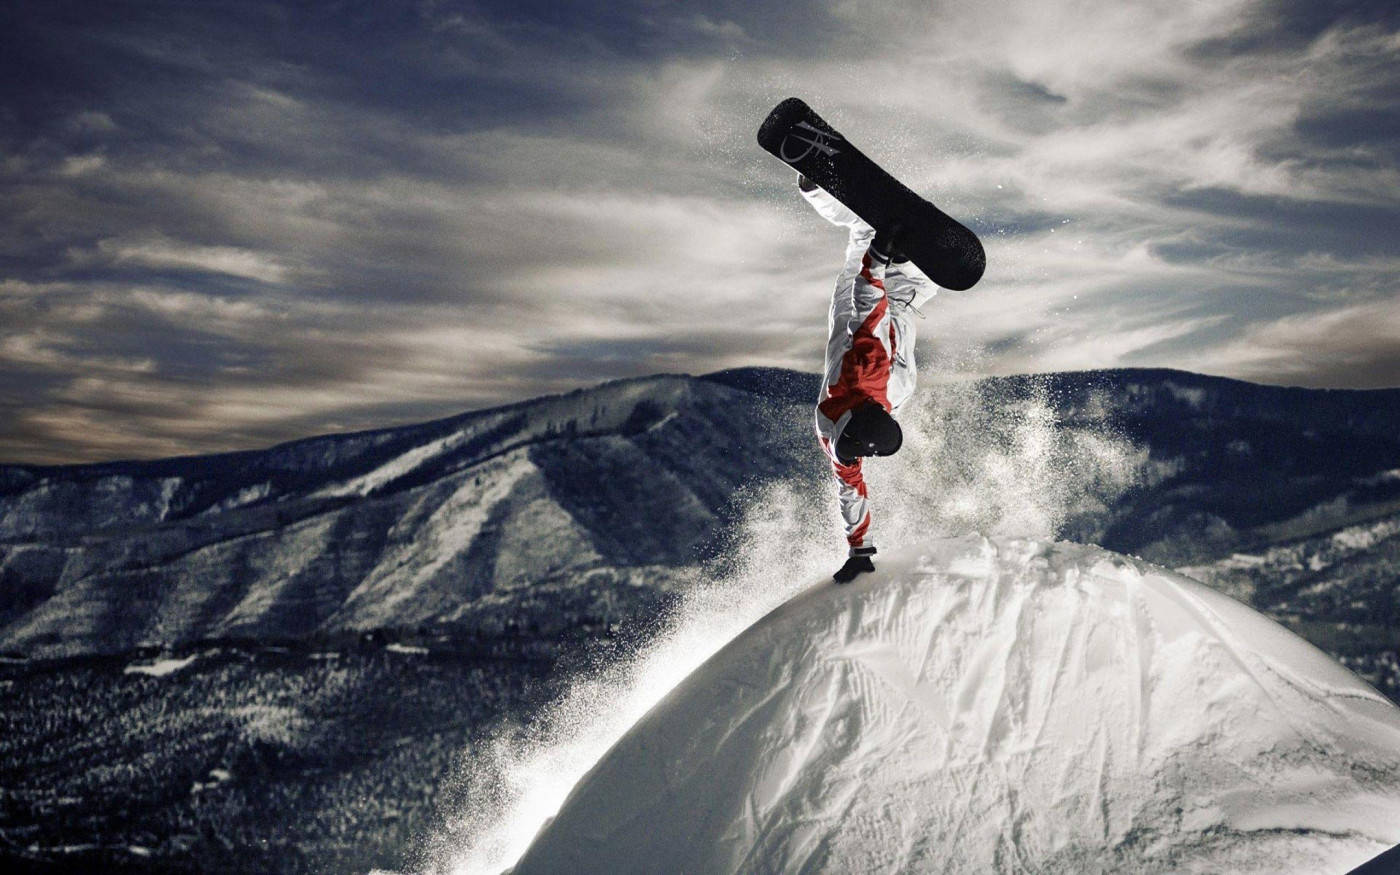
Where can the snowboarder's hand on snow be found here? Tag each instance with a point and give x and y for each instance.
(858, 564)
(854, 566)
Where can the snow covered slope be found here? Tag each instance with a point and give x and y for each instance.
(543, 512)
(1002, 706)
(586, 508)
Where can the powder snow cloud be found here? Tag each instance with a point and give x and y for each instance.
(231, 225)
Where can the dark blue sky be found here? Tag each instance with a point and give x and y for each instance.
(229, 224)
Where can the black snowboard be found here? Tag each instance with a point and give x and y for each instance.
(945, 250)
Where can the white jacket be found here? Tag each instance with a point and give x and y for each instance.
(869, 350)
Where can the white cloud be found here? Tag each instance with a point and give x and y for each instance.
(1086, 48)
(92, 122)
(81, 165)
(630, 217)
(53, 350)
(1360, 344)
(722, 28)
(163, 252)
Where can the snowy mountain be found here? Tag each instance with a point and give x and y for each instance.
(994, 706)
(1236, 466)
(305, 658)
(587, 509)
(472, 520)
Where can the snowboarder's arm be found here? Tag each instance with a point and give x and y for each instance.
(857, 564)
(831, 209)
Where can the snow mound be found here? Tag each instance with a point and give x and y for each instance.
(161, 667)
(1003, 706)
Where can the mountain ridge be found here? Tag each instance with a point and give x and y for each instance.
(773, 382)
(370, 504)
(592, 505)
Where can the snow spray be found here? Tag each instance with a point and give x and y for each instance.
(974, 460)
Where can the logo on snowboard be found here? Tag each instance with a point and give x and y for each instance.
(814, 141)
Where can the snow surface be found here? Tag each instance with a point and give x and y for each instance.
(161, 667)
(1009, 705)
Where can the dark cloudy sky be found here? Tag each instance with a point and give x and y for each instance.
(226, 224)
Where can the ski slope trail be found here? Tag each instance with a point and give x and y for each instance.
(1009, 706)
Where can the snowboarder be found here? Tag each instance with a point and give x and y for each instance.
(870, 371)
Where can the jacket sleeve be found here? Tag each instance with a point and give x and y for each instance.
(853, 498)
(835, 212)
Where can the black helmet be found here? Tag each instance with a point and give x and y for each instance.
(871, 431)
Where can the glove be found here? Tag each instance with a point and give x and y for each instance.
(858, 564)
(854, 567)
